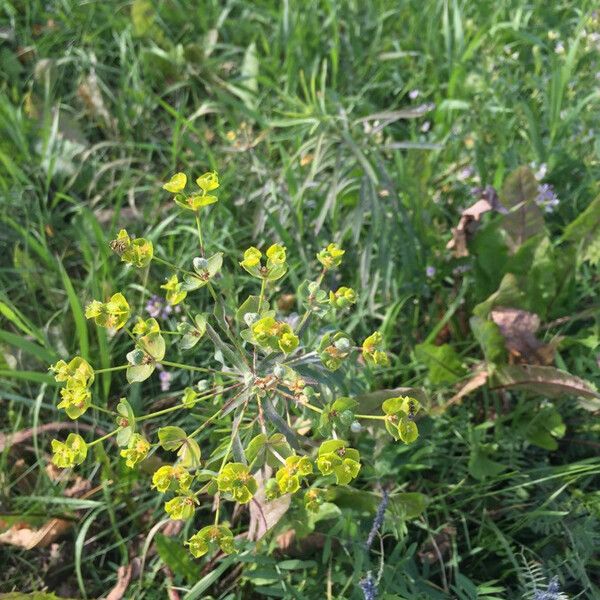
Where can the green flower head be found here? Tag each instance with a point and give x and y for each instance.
(136, 451)
(333, 349)
(342, 297)
(76, 398)
(209, 537)
(275, 267)
(336, 458)
(208, 181)
(331, 257)
(137, 252)
(181, 507)
(235, 478)
(290, 475)
(112, 314)
(176, 184)
(313, 499)
(175, 291)
(171, 478)
(275, 335)
(77, 369)
(70, 453)
(400, 418)
(373, 351)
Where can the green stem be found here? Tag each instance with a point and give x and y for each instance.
(168, 363)
(104, 410)
(309, 311)
(199, 233)
(173, 266)
(104, 437)
(110, 369)
(372, 417)
(263, 286)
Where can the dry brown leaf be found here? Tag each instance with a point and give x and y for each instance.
(25, 536)
(478, 380)
(91, 96)
(264, 514)
(438, 547)
(124, 576)
(469, 220)
(518, 328)
(550, 382)
(18, 437)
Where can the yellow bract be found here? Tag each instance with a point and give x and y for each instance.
(176, 184)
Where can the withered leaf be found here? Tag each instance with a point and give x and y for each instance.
(469, 221)
(549, 381)
(518, 328)
(264, 514)
(525, 218)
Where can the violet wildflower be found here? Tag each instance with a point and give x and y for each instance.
(552, 593)
(430, 271)
(368, 587)
(158, 307)
(414, 94)
(165, 381)
(547, 198)
(465, 173)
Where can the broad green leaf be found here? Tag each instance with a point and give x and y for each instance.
(171, 437)
(443, 363)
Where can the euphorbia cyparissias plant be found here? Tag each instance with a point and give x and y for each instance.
(259, 388)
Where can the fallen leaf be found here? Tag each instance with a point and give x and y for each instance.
(525, 218)
(476, 381)
(124, 575)
(25, 536)
(264, 515)
(550, 382)
(518, 328)
(469, 221)
(18, 437)
(89, 93)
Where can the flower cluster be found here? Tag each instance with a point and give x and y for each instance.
(259, 389)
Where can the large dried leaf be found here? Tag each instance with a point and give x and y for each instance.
(470, 219)
(26, 536)
(548, 381)
(525, 218)
(518, 328)
(264, 515)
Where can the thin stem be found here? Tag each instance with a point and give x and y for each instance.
(372, 417)
(110, 369)
(168, 363)
(300, 402)
(104, 437)
(199, 233)
(309, 311)
(173, 266)
(104, 410)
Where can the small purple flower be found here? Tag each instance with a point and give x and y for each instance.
(465, 173)
(540, 171)
(547, 198)
(414, 94)
(158, 307)
(165, 380)
(430, 271)
(552, 593)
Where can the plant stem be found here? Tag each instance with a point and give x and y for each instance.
(372, 417)
(110, 369)
(104, 437)
(104, 410)
(199, 233)
(168, 363)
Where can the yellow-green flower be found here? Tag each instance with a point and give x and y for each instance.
(76, 398)
(400, 418)
(176, 184)
(137, 252)
(195, 201)
(373, 351)
(336, 458)
(175, 291)
(136, 451)
(70, 453)
(145, 327)
(275, 267)
(208, 181)
(276, 255)
(77, 369)
(211, 536)
(289, 476)
(342, 297)
(181, 507)
(274, 335)
(112, 314)
(333, 349)
(313, 499)
(235, 478)
(331, 257)
(171, 478)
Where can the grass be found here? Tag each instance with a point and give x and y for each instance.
(305, 110)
